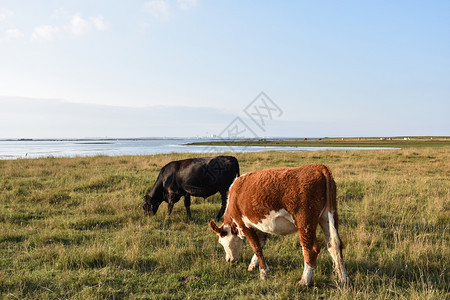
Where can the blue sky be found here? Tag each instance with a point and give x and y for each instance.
(190, 67)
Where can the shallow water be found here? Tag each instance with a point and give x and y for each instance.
(15, 149)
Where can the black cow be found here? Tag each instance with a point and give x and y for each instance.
(200, 177)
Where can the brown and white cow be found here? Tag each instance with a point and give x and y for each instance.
(283, 201)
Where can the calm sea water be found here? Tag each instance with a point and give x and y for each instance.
(71, 148)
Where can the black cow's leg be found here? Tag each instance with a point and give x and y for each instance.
(187, 204)
(170, 207)
(172, 200)
(223, 194)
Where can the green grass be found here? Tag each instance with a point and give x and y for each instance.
(74, 228)
(393, 142)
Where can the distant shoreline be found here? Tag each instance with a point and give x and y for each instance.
(206, 139)
(17, 149)
(92, 139)
(389, 142)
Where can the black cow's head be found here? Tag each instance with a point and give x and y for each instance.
(151, 205)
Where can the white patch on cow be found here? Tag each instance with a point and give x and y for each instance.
(232, 244)
(307, 274)
(240, 232)
(264, 273)
(276, 222)
(254, 263)
(343, 277)
(331, 218)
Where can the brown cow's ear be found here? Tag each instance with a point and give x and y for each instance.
(217, 229)
(214, 227)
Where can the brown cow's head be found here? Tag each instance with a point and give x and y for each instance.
(229, 239)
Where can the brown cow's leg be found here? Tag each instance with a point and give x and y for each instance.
(253, 239)
(325, 225)
(311, 249)
(254, 263)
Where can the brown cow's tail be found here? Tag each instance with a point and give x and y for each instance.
(331, 204)
(335, 243)
(331, 207)
(330, 193)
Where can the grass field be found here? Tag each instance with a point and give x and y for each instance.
(392, 142)
(74, 228)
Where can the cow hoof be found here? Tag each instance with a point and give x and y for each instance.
(263, 274)
(252, 267)
(303, 283)
(345, 284)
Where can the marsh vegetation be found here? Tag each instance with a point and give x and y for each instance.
(74, 228)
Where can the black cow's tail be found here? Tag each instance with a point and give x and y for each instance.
(238, 173)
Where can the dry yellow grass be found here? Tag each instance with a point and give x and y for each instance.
(74, 228)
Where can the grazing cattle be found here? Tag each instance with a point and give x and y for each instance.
(200, 177)
(283, 201)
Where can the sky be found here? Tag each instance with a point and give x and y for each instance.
(188, 68)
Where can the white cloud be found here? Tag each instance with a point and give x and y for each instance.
(44, 33)
(157, 8)
(99, 23)
(186, 4)
(5, 14)
(13, 34)
(41, 118)
(78, 26)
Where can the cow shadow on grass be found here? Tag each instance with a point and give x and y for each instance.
(371, 274)
(366, 276)
(202, 211)
(145, 264)
(399, 273)
(199, 216)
